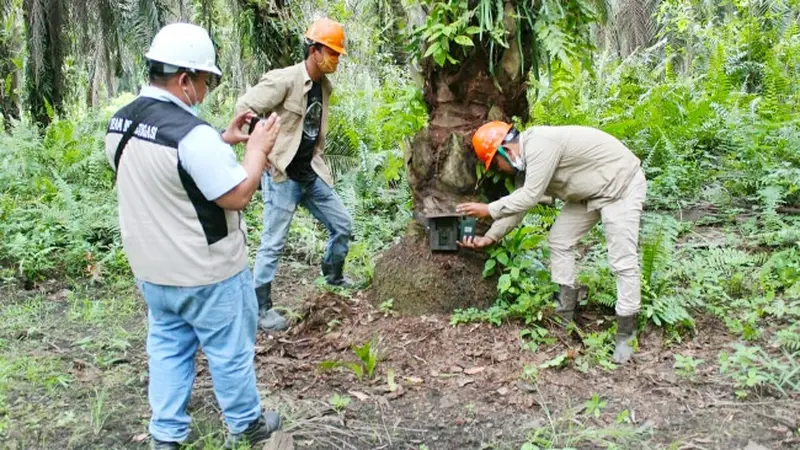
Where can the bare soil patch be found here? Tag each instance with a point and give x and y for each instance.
(451, 387)
(460, 387)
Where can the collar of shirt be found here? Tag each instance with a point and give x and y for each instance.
(523, 157)
(307, 81)
(160, 94)
(306, 77)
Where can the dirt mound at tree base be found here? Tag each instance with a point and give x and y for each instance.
(420, 281)
(318, 312)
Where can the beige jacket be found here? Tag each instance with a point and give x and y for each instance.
(573, 163)
(285, 92)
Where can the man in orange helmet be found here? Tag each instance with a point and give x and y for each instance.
(597, 177)
(298, 174)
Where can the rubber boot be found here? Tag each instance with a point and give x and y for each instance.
(567, 302)
(268, 318)
(334, 275)
(155, 444)
(258, 432)
(626, 332)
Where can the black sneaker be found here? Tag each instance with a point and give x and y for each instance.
(258, 431)
(155, 444)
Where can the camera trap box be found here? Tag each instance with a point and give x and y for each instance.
(445, 230)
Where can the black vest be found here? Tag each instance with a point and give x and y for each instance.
(165, 123)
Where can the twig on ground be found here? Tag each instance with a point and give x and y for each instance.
(57, 348)
(386, 430)
(297, 342)
(790, 425)
(692, 446)
(420, 359)
(790, 403)
(312, 384)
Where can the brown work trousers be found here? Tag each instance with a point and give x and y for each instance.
(621, 225)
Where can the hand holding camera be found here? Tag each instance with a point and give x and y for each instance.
(263, 133)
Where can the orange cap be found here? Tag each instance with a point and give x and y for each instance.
(487, 138)
(328, 33)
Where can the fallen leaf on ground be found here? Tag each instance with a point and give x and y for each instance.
(465, 381)
(503, 356)
(474, 370)
(140, 437)
(414, 380)
(397, 393)
(390, 381)
(359, 395)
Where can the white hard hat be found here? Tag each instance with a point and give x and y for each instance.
(184, 45)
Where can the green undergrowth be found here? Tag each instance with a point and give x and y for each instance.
(717, 134)
(71, 365)
(58, 213)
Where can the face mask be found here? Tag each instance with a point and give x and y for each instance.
(194, 106)
(328, 64)
(515, 163)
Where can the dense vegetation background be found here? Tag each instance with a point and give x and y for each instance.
(704, 92)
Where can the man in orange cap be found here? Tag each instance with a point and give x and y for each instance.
(597, 177)
(298, 174)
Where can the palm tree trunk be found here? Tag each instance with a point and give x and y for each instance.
(441, 172)
(441, 166)
(44, 86)
(9, 79)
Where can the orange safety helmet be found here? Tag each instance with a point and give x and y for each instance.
(328, 33)
(488, 138)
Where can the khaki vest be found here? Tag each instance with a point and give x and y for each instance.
(171, 233)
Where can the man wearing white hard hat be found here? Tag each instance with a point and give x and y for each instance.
(180, 192)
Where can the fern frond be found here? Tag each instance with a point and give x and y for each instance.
(725, 259)
(789, 338)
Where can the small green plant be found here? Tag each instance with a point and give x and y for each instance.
(386, 308)
(339, 402)
(572, 431)
(368, 361)
(369, 358)
(530, 373)
(470, 409)
(686, 366)
(332, 325)
(523, 287)
(594, 406)
(560, 360)
(789, 338)
(753, 370)
(99, 413)
(624, 416)
(446, 23)
(537, 336)
(598, 347)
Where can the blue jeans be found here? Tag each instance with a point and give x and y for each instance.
(222, 318)
(280, 203)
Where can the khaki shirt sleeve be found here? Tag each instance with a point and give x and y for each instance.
(265, 96)
(502, 227)
(541, 159)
